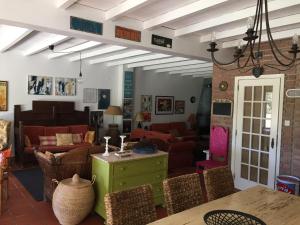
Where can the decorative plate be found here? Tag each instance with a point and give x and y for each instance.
(193, 99)
(223, 85)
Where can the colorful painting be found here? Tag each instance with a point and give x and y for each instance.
(40, 85)
(126, 126)
(103, 98)
(90, 95)
(146, 107)
(65, 86)
(179, 107)
(128, 84)
(164, 105)
(3, 95)
(127, 108)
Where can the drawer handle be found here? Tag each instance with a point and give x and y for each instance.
(158, 162)
(122, 183)
(158, 176)
(123, 168)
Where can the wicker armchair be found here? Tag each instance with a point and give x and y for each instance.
(64, 165)
(130, 207)
(218, 182)
(182, 192)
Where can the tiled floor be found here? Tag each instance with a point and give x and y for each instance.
(22, 209)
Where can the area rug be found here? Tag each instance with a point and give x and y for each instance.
(32, 179)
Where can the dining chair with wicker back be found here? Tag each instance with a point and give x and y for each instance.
(182, 192)
(218, 182)
(132, 206)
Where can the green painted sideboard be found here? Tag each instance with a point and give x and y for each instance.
(115, 174)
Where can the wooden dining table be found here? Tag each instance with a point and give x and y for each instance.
(272, 207)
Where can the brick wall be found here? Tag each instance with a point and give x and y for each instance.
(290, 139)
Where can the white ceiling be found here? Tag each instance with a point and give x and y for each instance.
(153, 9)
(27, 43)
(187, 18)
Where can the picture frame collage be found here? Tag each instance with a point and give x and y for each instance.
(165, 105)
(44, 85)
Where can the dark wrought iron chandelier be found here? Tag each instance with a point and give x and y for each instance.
(253, 46)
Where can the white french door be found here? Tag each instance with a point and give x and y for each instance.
(257, 115)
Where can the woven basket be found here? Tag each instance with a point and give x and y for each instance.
(73, 200)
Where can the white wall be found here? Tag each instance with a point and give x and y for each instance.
(163, 84)
(15, 69)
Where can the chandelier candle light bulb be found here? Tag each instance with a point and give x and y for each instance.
(295, 39)
(250, 23)
(213, 37)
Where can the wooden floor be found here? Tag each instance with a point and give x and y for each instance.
(22, 209)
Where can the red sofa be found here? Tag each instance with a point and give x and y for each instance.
(181, 152)
(33, 133)
(178, 128)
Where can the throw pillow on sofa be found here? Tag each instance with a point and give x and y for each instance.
(47, 140)
(77, 138)
(27, 141)
(89, 137)
(64, 139)
(174, 132)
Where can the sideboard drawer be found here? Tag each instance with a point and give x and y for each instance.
(120, 184)
(138, 167)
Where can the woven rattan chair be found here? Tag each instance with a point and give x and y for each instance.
(130, 207)
(182, 192)
(218, 182)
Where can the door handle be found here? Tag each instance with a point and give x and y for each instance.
(272, 143)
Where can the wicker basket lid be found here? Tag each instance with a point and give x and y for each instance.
(76, 182)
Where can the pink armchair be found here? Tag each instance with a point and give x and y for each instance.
(217, 155)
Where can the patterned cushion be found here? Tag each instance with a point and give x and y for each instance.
(4, 133)
(77, 138)
(64, 139)
(27, 141)
(47, 140)
(89, 137)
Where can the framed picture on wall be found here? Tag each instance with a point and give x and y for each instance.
(128, 108)
(127, 124)
(179, 107)
(146, 107)
(3, 95)
(164, 105)
(103, 98)
(40, 85)
(65, 86)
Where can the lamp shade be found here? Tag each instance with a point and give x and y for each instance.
(139, 117)
(114, 110)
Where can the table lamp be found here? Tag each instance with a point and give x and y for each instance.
(139, 117)
(113, 129)
(114, 111)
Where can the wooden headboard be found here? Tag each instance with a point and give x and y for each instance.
(50, 113)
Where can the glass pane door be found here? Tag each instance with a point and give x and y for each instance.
(256, 132)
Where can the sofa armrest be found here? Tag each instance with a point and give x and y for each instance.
(207, 154)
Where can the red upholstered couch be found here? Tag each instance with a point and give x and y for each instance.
(175, 127)
(181, 152)
(33, 133)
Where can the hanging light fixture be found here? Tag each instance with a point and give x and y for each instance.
(253, 38)
(80, 79)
